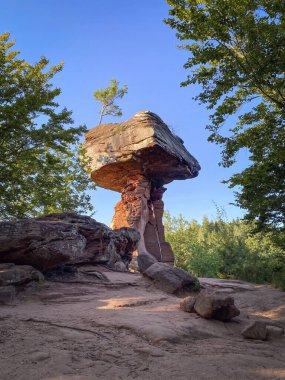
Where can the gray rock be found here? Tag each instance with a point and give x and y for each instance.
(38, 243)
(19, 274)
(7, 294)
(142, 145)
(215, 305)
(49, 241)
(170, 279)
(145, 261)
(113, 248)
(274, 331)
(256, 330)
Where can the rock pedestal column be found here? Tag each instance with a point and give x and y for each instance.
(141, 207)
(136, 158)
(154, 234)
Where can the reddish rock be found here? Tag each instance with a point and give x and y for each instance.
(55, 239)
(137, 157)
(40, 244)
(142, 145)
(215, 305)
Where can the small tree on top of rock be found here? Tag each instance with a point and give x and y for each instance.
(107, 97)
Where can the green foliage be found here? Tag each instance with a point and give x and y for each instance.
(225, 250)
(39, 164)
(107, 97)
(238, 58)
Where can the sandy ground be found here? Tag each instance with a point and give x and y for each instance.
(127, 329)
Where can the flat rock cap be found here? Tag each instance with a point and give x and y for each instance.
(142, 145)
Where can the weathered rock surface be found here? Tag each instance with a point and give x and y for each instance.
(103, 245)
(256, 330)
(132, 211)
(137, 158)
(11, 274)
(142, 145)
(40, 244)
(90, 331)
(187, 304)
(55, 239)
(170, 279)
(145, 261)
(216, 305)
(7, 294)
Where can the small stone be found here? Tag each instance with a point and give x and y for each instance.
(145, 261)
(40, 244)
(187, 304)
(256, 330)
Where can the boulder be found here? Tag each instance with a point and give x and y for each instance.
(256, 330)
(215, 305)
(170, 279)
(145, 261)
(13, 275)
(142, 145)
(187, 304)
(113, 248)
(40, 244)
(136, 158)
(55, 239)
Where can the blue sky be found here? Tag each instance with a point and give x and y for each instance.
(124, 39)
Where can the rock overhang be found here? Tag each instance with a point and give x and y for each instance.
(142, 145)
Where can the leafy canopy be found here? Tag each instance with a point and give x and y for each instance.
(237, 56)
(39, 164)
(107, 98)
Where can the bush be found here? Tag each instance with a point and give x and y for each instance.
(225, 249)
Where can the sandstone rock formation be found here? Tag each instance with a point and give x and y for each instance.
(40, 244)
(137, 158)
(256, 330)
(13, 275)
(54, 239)
(171, 280)
(211, 305)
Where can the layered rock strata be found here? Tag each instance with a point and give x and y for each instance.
(137, 158)
(142, 145)
(55, 239)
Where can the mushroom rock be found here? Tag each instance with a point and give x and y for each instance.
(137, 158)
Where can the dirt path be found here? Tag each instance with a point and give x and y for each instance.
(127, 329)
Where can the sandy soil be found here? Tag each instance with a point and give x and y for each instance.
(127, 329)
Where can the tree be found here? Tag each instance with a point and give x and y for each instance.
(224, 249)
(238, 58)
(107, 97)
(39, 164)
